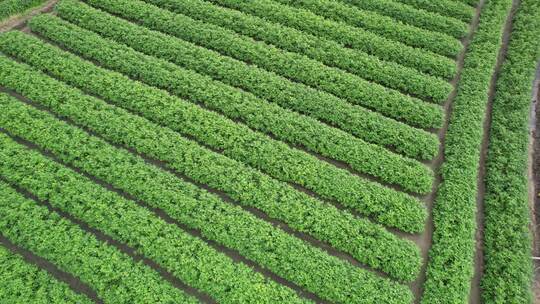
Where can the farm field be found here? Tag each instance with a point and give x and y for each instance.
(269, 151)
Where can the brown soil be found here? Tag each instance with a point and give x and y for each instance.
(18, 21)
(534, 182)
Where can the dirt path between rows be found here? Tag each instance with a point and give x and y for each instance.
(475, 294)
(534, 181)
(19, 21)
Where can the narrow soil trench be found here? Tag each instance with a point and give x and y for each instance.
(475, 294)
(534, 181)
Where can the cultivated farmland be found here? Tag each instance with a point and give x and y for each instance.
(267, 151)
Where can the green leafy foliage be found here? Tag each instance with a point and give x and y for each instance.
(507, 239)
(413, 16)
(22, 282)
(381, 25)
(451, 257)
(308, 22)
(257, 113)
(113, 275)
(9, 8)
(356, 120)
(447, 8)
(366, 242)
(291, 65)
(231, 226)
(188, 258)
(329, 52)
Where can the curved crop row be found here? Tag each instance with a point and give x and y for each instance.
(367, 242)
(508, 268)
(186, 257)
(447, 8)
(257, 113)
(9, 8)
(294, 66)
(22, 282)
(360, 122)
(285, 255)
(415, 17)
(350, 37)
(381, 73)
(114, 276)
(450, 267)
(389, 28)
(385, 206)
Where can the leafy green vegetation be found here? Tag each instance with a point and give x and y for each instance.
(507, 241)
(22, 282)
(360, 122)
(451, 258)
(10, 8)
(188, 258)
(112, 274)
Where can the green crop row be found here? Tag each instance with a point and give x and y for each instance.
(508, 269)
(257, 113)
(291, 65)
(350, 37)
(447, 8)
(363, 240)
(9, 8)
(186, 257)
(22, 282)
(362, 123)
(384, 205)
(451, 262)
(381, 25)
(367, 66)
(362, 65)
(415, 17)
(231, 226)
(114, 276)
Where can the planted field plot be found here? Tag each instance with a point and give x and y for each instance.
(266, 151)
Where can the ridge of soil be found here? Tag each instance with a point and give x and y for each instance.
(534, 181)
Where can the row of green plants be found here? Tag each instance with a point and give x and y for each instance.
(113, 275)
(272, 248)
(294, 66)
(413, 16)
(362, 123)
(186, 257)
(10, 8)
(331, 53)
(508, 268)
(305, 21)
(448, 8)
(259, 114)
(386, 206)
(365, 241)
(22, 282)
(451, 257)
(365, 67)
(386, 27)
